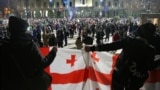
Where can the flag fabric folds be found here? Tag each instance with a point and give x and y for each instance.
(78, 70)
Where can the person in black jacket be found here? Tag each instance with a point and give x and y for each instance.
(155, 41)
(22, 65)
(52, 40)
(60, 38)
(135, 60)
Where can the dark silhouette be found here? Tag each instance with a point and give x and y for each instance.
(135, 60)
(22, 65)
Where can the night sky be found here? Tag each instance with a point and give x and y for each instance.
(3, 3)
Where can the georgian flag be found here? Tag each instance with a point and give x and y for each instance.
(78, 70)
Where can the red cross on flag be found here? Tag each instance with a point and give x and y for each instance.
(77, 70)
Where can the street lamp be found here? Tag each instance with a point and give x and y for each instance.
(7, 11)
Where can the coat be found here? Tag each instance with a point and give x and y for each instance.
(133, 63)
(79, 43)
(21, 61)
(134, 50)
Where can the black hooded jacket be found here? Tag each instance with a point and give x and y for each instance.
(134, 49)
(20, 55)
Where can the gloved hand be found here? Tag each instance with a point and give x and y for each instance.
(54, 50)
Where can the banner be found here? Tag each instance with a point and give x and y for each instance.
(78, 70)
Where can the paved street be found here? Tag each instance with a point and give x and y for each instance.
(71, 42)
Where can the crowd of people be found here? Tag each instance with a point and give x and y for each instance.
(19, 42)
(52, 32)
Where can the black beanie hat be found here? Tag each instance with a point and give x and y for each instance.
(17, 25)
(148, 28)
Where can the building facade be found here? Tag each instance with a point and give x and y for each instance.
(82, 8)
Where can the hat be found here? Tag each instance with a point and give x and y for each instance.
(17, 25)
(148, 28)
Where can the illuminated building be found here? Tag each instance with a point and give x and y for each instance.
(82, 8)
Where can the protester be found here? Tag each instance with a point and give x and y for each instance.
(66, 34)
(155, 41)
(45, 37)
(135, 60)
(79, 43)
(22, 65)
(116, 36)
(87, 40)
(60, 38)
(99, 37)
(52, 40)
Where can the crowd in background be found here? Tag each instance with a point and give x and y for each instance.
(140, 49)
(55, 32)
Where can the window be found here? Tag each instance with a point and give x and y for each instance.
(64, 2)
(102, 3)
(122, 4)
(38, 3)
(32, 4)
(83, 1)
(51, 3)
(44, 4)
(57, 4)
(96, 4)
(115, 4)
(109, 3)
(70, 4)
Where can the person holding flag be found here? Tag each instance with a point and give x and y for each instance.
(22, 65)
(135, 60)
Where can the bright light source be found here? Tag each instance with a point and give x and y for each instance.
(101, 0)
(50, 0)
